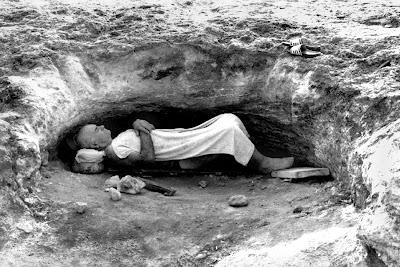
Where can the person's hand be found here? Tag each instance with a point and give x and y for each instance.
(143, 126)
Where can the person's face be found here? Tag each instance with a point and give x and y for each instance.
(94, 136)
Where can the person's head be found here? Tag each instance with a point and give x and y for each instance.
(93, 136)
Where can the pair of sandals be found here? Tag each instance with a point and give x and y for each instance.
(298, 48)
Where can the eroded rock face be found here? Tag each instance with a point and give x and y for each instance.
(75, 63)
(270, 98)
(376, 187)
(335, 246)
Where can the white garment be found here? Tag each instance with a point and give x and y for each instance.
(87, 155)
(223, 134)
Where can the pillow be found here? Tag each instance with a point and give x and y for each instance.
(86, 155)
(88, 161)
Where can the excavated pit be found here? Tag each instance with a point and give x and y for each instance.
(181, 86)
(69, 63)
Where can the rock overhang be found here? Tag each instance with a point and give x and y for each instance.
(273, 95)
(338, 102)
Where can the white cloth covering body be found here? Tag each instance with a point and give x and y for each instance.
(223, 134)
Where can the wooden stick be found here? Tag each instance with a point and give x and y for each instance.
(152, 186)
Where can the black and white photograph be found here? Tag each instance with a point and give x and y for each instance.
(180, 133)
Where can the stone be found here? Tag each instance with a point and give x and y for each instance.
(238, 201)
(300, 172)
(200, 256)
(203, 184)
(334, 246)
(131, 185)
(112, 182)
(80, 207)
(298, 209)
(114, 194)
(44, 156)
(375, 173)
(32, 201)
(25, 226)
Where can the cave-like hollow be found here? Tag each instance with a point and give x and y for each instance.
(286, 105)
(271, 138)
(182, 86)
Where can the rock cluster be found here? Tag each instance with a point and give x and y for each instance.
(127, 184)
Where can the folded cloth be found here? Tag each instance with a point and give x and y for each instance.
(86, 155)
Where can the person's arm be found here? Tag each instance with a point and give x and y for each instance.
(146, 153)
(144, 128)
(146, 147)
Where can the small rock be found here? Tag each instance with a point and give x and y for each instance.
(340, 16)
(238, 201)
(45, 158)
(203, 184)
(112, 182)
(298, 209)
(80, 207)
(131, 185)
(26, 226)
(115, 194)
(263, 223)
(200, 256)
(264, 187)
(334, 190)
(31, 200)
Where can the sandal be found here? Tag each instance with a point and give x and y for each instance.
(300, 41)
(303, 51)
(294, 42)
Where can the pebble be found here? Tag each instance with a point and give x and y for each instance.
(131, 185)
(80, 207)
(25, 226)
(334, 190)
(113, 181)
(31, 200)
(298, 209)
(115, 194)
(238, 201)
(200, 256)
(203, 184)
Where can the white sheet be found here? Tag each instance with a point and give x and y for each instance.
(223, 134)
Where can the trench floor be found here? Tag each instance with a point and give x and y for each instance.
(196, 227)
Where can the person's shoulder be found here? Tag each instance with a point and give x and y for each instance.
(126, 133)
(110, 153)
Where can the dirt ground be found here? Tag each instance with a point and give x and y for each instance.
(196, 227)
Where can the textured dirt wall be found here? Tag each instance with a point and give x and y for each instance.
(67, 63)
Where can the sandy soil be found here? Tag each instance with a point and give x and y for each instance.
(196, 227)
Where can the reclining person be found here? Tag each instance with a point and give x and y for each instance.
(223, 134)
